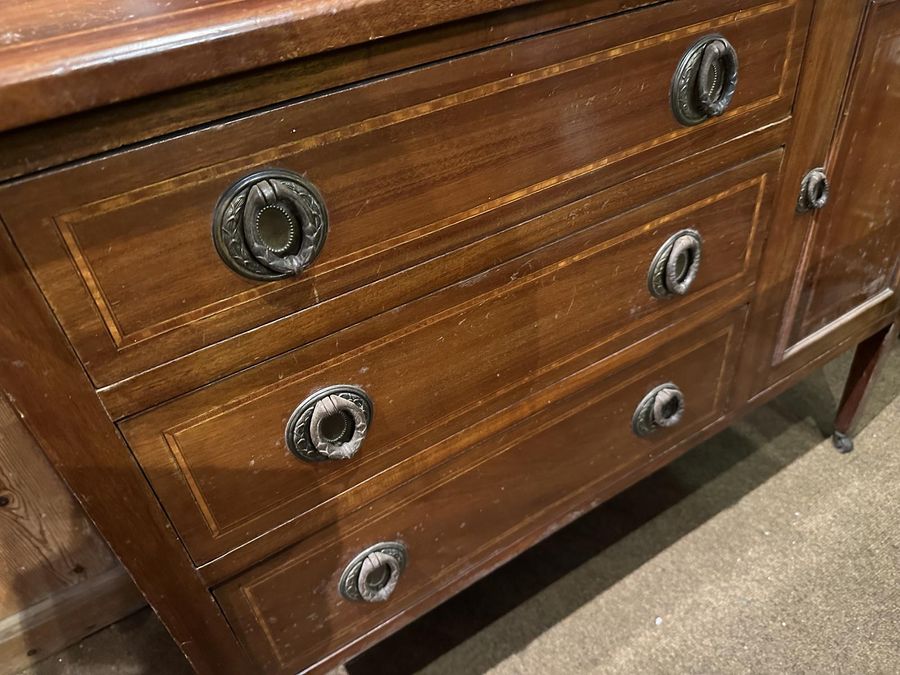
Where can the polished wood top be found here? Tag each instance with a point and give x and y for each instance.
(59, 57)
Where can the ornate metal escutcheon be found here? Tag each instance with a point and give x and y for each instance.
(705, 80)
(663, 406)
(330, 424)
(270, 224)
(373, 574)
(675, 265)
(814, 190)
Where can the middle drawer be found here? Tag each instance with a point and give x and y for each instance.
(218, 457)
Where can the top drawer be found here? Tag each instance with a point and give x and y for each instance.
(408, 167)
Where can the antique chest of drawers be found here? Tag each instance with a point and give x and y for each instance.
(326, 309)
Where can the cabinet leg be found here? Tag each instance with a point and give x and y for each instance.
(867, 361)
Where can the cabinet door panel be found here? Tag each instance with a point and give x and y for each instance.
(850, 260)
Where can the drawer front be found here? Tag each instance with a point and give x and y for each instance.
(218, 459)
(408, 167)
(470, 514)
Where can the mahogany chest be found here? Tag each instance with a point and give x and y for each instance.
(326, 309)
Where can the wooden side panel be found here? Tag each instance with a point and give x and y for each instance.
(58, 580)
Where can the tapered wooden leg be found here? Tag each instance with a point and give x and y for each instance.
(867, 361)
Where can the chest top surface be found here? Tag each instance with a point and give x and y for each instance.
(59, 57)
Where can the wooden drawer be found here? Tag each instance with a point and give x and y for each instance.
(217, 457)
(410, 167)
(467, 516)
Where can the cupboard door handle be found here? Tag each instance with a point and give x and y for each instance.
(270, 225)
(330, 424)
(662, 407)
(373, 574)
(676, 264)
(814, 191)
(705, 80)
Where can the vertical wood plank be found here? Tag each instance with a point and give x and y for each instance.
(47, 543)
(59, 581)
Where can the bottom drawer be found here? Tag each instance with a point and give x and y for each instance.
(465, 517)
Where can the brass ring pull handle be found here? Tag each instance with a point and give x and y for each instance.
(330, 424)
(814, 191)
(705, 80)
(662, 407)
(373, 574)
(675, 265)
(270, 224)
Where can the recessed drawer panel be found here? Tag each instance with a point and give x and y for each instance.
(465, 517)
(218, 457)
(367, 181)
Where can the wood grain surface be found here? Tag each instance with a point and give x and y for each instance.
(289, 609)
(112, 126)
(499, 185)
(46, 542)
(48, 388)
(825, 274)
(225, 483)
(58, 579)
(58, 57)
(411, 167)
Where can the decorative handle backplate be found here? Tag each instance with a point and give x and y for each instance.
(675, 265)
(330, 424)
(270, 224)
(814, 190)
(705, 80)
(663, 406)
(373, 574)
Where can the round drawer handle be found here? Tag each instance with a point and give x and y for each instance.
(373, 574)
(663, 406)
(705, 80)
(814, 191)
(270, 224)
(675, 265)
(330, 424)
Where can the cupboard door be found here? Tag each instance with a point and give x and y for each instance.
(849, 264)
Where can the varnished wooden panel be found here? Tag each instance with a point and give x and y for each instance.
(92, 234)
(58, 57)
(827, 61)
(828, 278)
(217, 457)
(851, 258)
(515, 236)
(456, 519)
(114, 126)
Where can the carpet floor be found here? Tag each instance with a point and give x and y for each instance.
(762, 550)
